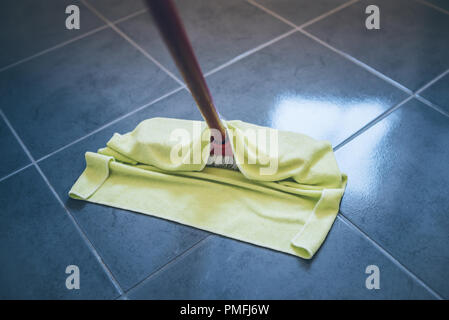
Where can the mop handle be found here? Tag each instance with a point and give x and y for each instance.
(175, 37)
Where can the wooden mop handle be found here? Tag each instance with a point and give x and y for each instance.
(175, 37)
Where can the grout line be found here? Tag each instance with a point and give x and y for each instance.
(432, 105)
(14, 172)
(341, 53)
(122, 297)
(75, 223)
(307, 23)
(352, 59)
(431, 82)
(132, 42)
(325, 15)
(111, 123)
(280, 37)
(372, 123)
(132, 15)
(361, 64)
(386, 253)
(84, 35)
(274, 14)
(268, 43)
(226, 64)
(431, 5)
(220, 67)
(358, 62)
(25, 149)
(164, 266)
(389, 111)
(62, 44)
(250, 52)
(230, 62)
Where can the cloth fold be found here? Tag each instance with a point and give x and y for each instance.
(285, 195)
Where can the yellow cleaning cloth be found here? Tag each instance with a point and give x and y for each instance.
(285, 196)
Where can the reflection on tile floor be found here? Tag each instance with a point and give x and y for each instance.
(92, 82)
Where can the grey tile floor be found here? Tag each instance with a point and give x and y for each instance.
(380, 97)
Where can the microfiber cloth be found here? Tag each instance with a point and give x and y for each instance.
(290, 209)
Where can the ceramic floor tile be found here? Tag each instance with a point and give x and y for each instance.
(218, 30)
(300, 11)
(65, 94)
(221, 268)
(438, 93)
(37, 243)
(397, 181)
(298, 85)
(25, 34)
(133, 245)
(116, 9)
(13, 156)
(410, 47)
(397, 188)
(443, 4)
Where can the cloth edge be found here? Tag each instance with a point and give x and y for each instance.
(93, 176)
(313, 233)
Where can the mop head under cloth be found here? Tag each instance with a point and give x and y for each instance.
(285, 195)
